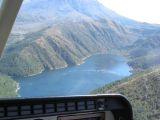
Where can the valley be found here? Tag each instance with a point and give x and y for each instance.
(68, 35)
(60, 39)
(62, 45)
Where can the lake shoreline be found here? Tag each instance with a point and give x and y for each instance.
(78, 64)
(94, 72)
(82, 62)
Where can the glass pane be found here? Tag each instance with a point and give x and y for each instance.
(79, 47)
(0, 3)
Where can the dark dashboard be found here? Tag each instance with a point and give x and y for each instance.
(96, 107)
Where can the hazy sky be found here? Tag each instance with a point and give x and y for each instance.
(141, 10)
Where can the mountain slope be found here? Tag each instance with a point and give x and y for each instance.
(8, 87)
(62, 45)
(144, 53)
(142, 90)
(61, 8)
(51, 34)
(42, 13)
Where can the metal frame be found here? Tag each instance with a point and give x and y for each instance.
(8, 12)
(100, 115)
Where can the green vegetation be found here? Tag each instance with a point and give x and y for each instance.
(144, 53)
(144, 62)
(50, 41)
(61, 45)
(23, 65)
(143, 87)
(8, 87)
(72, 34)
(142, 90)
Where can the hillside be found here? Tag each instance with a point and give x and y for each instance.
(61, 43)
(144, 53)
(8, 87)
(142, 90)
(53, 34)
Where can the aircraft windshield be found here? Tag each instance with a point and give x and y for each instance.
(0, 3)
(80, 47)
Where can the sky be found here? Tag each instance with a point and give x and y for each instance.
(140, 10)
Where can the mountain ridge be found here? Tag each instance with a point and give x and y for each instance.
(63, 41)
(62, 45)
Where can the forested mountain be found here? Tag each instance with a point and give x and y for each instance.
(142, 90)
(51, 34)
(70, 33)
(144, 53)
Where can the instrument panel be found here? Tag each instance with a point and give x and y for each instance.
(96, 107)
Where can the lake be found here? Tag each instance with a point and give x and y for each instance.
(96, 71)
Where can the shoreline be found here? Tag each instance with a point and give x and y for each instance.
(35, 74)
(17, 89)
(83, 61)
(78, 64)
(110, 71)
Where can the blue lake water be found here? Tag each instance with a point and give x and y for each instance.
(95, 72)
